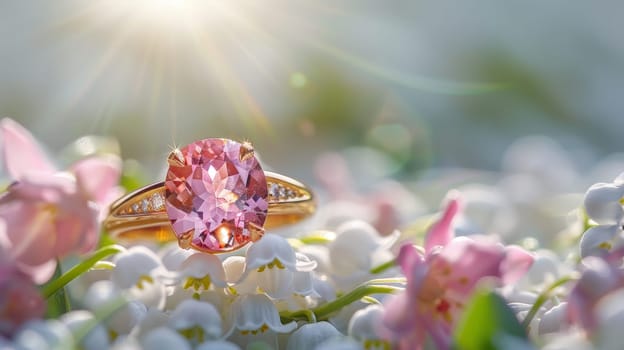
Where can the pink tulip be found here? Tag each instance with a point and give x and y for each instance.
(442, 278)
(50, 214)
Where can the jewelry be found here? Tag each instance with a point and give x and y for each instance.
(215, 198)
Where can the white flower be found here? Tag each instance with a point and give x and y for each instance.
(340, 344)
(357, 248)
(553, 320)
(199, 271)
(256, 313)
(104, 294)
(308, 336)
(77, 321)
(196, 320)
(164, 339)
(601, 239)
(172, 256)
(152, 320)
(270, 266)
(40, 335)
(137, 271)
(218, 345)
(602, 203)
(364, 327)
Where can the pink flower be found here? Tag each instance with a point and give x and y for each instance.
(600, 277)
(20, 300)
(441, 279)
(50, 214)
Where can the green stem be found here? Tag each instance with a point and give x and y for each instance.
(383, 267)
(542, 298)
(52, 287)
(324, 311)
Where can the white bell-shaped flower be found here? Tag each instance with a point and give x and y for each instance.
(601, 239)
(172, 256)
(104, 294)
(42, 335)
(200, 271)
(270, 266)
(344, 343)
(365, 327)
(153, 319)
(309, 336)
(357, 248)
(255, 319)
(196, 320)
(137, 271)
(602, 203)
(164, 339)
(77, 321)
(256, 313)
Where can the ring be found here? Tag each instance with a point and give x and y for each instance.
(215, 198)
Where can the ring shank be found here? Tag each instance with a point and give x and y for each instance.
(125, 225)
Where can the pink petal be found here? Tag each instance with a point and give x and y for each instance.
(97, 177)
(21, 153)
(399, 314)
(517, 262)
(409, 257)
(469, 262)
(39, 274)
(442, 232)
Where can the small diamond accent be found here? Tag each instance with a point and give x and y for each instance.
(135, 207)
(157, 201)
(145, 205)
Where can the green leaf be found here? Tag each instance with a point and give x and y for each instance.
(488, 324)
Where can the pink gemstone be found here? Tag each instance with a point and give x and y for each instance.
(215, 195)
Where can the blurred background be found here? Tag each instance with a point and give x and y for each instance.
(410, 85)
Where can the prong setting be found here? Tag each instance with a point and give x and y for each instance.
(246, 151)
(255, 232)
(184, 241)
(176, 158)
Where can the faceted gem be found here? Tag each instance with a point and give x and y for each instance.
(215, 195)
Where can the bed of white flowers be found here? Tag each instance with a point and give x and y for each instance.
(515, 260)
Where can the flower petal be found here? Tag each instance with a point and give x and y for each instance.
(269, 248)
(602, 203)
(599, 240)
(20, 151)
(516, 263)
(97, 177)
(441, 232)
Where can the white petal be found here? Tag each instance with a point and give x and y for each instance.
(172, 256)
(132, 264)
(268, 249)
(553, 320)
(599, 240)
(350, 252)
(602, 203)
(303, 284)
(38, 335)
(192, 313)
(276, 283)
(218, 345)
(304, 263)
(619, 180)
(152, 294)
(152, 320)
(76, 321)
(308, 336)
(164, 339)
(252, 311)
(365, 322)
(103, 294)
(610, 311)
(234, 267)
(199, 265)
